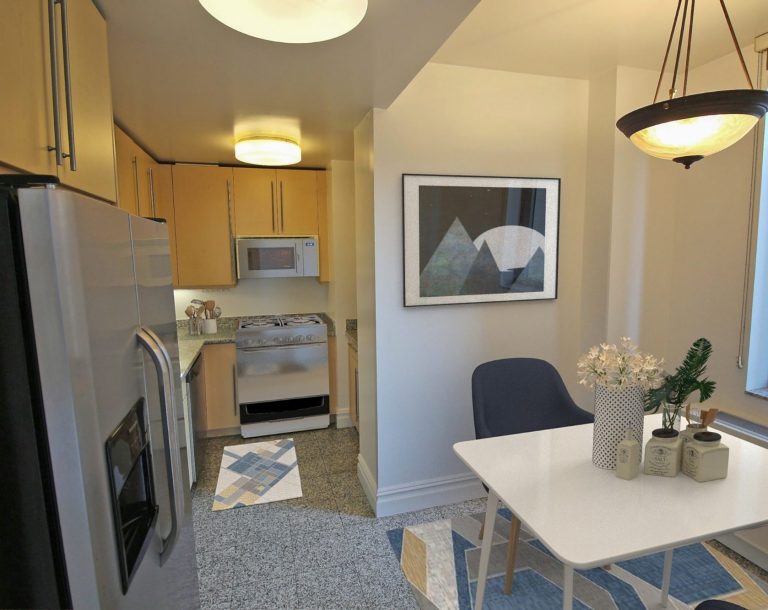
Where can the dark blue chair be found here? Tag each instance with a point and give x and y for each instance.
(516, 395)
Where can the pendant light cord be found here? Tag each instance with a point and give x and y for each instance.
(688, 50)
(750, 227)
(672, 89)
(736, 44)
(666, 53)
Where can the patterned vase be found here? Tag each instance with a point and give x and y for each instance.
(616, 411)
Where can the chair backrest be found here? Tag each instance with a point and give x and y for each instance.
(517, 395)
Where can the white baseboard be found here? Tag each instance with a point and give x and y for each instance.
(343, 419)
(426, 494)
(367, 480)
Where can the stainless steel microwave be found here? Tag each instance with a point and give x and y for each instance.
(259, 257)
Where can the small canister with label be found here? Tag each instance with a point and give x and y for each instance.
(662, 453)
(705, 457)
(628, 457)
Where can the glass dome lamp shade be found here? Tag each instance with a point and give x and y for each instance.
(291, 21)
(267, 151)
(689, 128)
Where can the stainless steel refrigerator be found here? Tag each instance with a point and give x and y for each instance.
(95, 505)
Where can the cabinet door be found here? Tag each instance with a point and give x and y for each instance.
(91, 103)
(145, 166)
(297, 198)
(25, 102)
(127, 178)
(220, 387)
(353, 385)
(204, 243)
(324, 229)
(255, 202)
(161, 183)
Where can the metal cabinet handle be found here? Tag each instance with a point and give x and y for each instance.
(54, 83)
(234, 386)
(159, 355)
(282, 211)
(231, 232)
(68, 86)
(135, 166)
(272, 189)
(152, 203)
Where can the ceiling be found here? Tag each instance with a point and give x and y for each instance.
(579, 38)
(186, 86)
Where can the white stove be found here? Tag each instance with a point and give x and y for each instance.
(282, 374)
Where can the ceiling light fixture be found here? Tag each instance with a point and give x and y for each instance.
(267, 150)
(688, 128)
(293, 21)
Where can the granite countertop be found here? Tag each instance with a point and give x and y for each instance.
(190, 345)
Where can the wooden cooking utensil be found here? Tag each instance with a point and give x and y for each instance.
(190, 311)
(209, 305)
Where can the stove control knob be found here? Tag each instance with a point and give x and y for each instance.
(311, 338)
(298, 339)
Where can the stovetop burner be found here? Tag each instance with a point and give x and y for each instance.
(259, 322)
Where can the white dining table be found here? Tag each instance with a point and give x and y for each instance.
(587, 517)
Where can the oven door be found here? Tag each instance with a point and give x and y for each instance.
(279, 373)
(269, 257)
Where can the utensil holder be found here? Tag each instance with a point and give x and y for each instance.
(194, 326)
(209, 327)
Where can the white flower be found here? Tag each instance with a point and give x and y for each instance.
(619, 366)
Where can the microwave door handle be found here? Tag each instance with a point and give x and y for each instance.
(147, 340)
(299, 263)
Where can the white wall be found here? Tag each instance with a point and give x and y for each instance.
(342, 290)
(458, 120)
(367, 336)
(679, 242)
(257, 297)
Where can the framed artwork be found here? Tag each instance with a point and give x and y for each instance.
(472, 239)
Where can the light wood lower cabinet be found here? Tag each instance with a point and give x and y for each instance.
(354, 386)
(220, 381)
(202, 196)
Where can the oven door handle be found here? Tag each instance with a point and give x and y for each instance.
(279, 347)
(159, 355)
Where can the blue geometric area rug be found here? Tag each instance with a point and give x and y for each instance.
(440, 560)
(257, 473)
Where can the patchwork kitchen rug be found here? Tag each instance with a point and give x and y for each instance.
(440, 560)
(257, 473)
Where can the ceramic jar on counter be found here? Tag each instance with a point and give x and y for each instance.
(705, 458)
(662, 453)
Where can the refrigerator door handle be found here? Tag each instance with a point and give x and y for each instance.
(161, 360)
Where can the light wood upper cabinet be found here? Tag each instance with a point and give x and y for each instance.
(202, 196)
(297, 197)
(25, 102)
(277, 202)
(161, 184)
(127, 177)
(255, 211)
(220, 365)
(323, 228)
(91, 103)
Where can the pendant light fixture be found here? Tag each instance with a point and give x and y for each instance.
(294, 21)
(264, 150)
(688, 128)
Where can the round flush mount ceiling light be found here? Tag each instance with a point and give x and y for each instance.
(263, 150)
(293, 21)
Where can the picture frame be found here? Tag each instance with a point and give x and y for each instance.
(478, 239)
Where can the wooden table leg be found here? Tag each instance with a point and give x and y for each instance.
(485, 549)
(666, 577)
(567, 587)
(514, 535)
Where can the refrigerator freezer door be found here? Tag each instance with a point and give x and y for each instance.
(84, 304)
(157, 313)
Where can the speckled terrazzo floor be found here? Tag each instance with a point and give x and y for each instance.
(325, 550)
